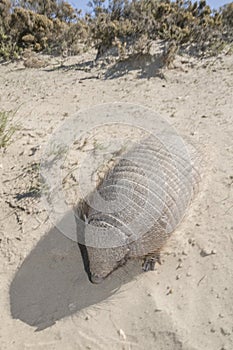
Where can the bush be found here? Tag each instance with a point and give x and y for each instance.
(8, 47)
(38, 25)
(227, 20)
(130, 26)
(141, 22)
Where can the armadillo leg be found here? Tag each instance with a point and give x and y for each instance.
(150, 261)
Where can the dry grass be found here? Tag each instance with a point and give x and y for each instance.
(7, 128)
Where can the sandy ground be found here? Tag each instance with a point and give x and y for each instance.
(46, 298)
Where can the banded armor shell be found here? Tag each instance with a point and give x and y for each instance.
(138, 204)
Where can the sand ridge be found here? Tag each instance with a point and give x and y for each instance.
(187, 302)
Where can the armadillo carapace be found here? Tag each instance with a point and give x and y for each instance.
(137, 206)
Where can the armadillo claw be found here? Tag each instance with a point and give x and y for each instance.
(150, 261)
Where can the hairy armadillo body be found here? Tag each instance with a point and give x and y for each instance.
(137, 206)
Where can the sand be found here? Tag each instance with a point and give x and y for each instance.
(46, 299)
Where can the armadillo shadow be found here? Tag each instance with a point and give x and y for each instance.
(52, 282)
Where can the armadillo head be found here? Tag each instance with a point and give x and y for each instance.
(103, 261)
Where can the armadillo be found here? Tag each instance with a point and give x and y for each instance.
(138, 205)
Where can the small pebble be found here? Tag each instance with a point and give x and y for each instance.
(206, 252)
(122, 334)
(192, 242)
(179, 266)
(157, 310)
(72, 306)
(225, 331)
(188, 274)
(170, 291)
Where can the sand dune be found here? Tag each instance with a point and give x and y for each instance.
(46, 299)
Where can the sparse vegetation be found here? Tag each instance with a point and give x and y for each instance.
(133, 26)
(7, 128)
(227, 20)
(38, 25)
(55, 27)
